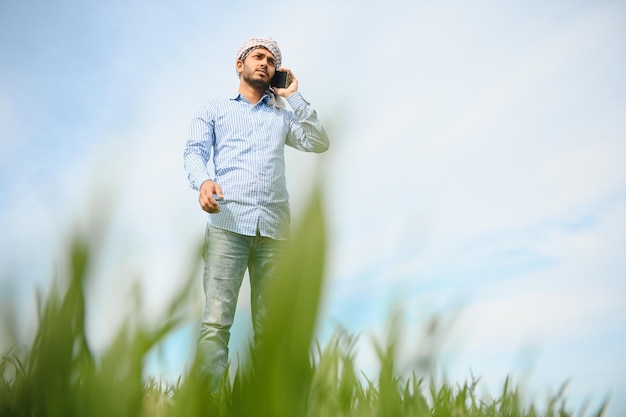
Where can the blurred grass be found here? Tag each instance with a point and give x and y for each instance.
(287, 374)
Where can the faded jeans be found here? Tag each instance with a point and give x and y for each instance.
(226, 256)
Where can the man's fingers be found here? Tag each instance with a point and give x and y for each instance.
(218, 191)
(211, 208)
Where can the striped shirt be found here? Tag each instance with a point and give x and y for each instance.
(240, 146)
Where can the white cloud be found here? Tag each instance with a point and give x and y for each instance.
(521, 149)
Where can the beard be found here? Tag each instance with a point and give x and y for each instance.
(256, 82)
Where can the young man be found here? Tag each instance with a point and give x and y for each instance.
(245, 192)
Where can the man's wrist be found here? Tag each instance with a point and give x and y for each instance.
(201, 182)
(296, 100)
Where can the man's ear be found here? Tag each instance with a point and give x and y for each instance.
(239, 66)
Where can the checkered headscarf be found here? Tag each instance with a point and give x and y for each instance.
(254, 43)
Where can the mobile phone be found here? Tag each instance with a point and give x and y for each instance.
(280, 79)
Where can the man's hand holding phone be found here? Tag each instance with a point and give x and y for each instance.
(207, 201)
(289, 87)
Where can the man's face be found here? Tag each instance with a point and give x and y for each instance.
(258, 68)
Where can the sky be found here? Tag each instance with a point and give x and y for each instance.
(476, 173)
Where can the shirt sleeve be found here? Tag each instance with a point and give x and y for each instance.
(198, 149)
(306, 133)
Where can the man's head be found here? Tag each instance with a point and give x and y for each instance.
(257, 60)
(254, 43)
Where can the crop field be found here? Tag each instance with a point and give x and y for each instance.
(289, 375)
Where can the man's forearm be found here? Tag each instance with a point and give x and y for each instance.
(308, 133)
(197, 172)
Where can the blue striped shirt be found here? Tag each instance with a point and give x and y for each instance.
(240, 146)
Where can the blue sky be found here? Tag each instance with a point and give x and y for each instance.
(477, 167)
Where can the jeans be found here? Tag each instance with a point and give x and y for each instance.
(226, 256)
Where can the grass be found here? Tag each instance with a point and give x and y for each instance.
(290, 375)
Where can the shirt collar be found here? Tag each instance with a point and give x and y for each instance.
(265, 98)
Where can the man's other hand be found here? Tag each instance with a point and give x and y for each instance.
(207, 200)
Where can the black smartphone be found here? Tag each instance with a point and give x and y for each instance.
(280, 80)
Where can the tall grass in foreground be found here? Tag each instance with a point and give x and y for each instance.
(289, 375)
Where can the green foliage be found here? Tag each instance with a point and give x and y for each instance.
(288, 373)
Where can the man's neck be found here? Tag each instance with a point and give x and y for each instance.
(251, 93)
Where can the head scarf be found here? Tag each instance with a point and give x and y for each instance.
(254, 43)
(271, 45)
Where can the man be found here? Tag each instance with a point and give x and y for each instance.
(245, 191)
